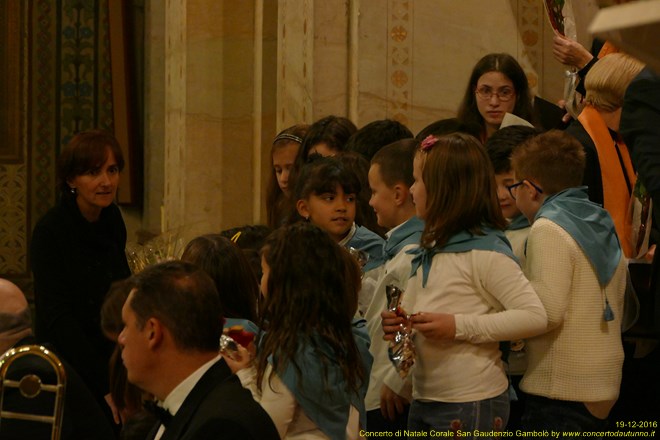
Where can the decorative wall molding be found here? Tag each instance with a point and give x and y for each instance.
(400, 60)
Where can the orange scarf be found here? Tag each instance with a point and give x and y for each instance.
(616, 195)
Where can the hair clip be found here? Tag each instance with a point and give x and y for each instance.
(428, 142)
(287, 136)
(234, 239)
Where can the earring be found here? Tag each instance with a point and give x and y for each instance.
(306, 218)
(72, 190)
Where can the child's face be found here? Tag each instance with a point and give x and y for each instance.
(334, 212)
(418, 189)
(528, 199)
(283, 159)
(383, 199)
(507, 203)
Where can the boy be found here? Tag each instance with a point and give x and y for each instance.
(499, 147)
(390, 178)
(575, 263)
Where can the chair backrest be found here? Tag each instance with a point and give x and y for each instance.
(31, 385)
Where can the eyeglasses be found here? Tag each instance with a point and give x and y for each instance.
(504, 94)
(516, 185)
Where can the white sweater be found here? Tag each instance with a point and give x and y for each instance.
(580, 357)
(492, 301)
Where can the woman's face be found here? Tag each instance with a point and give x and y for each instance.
(493, 108)
(283, 159)
(96, 189)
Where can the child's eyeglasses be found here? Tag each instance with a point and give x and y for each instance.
(504, 94)
(516, 185)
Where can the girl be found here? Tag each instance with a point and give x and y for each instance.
(326, 193)
(311, 370)
(497, 86)
(232, 274)
(327, 136)
(467, 291)
(283, 155)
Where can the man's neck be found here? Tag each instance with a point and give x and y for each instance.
(175, 369)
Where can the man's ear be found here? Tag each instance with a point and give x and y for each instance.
(303, 210)
(154, 331)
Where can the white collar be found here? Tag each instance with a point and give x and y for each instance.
(344, 241)
(175, 399)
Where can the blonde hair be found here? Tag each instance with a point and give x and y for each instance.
(608, 79)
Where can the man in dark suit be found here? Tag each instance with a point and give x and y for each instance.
(83, 419)
(172, 326)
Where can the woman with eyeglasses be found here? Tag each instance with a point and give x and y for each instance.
(497, 86)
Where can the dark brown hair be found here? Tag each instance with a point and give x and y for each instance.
(230, 270)
(502, 143)
(395, 162)
(311, 290)
(322, 175)
(184, 298)
(468, 112)
(86, 151)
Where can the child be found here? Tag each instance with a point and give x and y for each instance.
(499, 147)
(467, 293)
(283, 155)
(312, 365)
(390, 178)
(232, 274)
(250, 239)
(364, 215)
(326, 196)
(574, 262)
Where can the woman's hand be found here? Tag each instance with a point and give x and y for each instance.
(239, 359)
(391, 323)
(438, 326)
(391, 404)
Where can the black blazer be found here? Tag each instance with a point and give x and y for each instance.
(218, 407)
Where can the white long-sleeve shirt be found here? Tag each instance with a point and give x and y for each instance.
(279, 402)
(492, 301)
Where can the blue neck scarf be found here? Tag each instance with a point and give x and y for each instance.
(246, 323)
(410, 232)
(589, 225)
(369, 242)
(517, 223)
(325, 400)
(464, 241)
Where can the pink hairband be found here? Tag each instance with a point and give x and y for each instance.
(428, 142)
